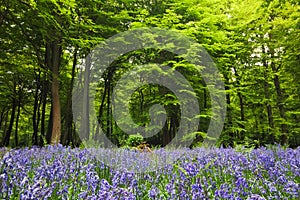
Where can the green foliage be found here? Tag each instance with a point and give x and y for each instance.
(254, 44)
(134, 140)
(247, 146)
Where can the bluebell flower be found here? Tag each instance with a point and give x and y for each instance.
(153, 192)
(255, 197)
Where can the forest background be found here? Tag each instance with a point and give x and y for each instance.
(254, 43)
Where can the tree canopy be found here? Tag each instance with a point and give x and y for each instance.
(254, 43)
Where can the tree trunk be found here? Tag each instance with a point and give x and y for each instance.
(49, 129)
(267, 93)
(35, 121)
(18, 117)
(3, 117)
(284, 127)
(270, 136)
(241, 102)
(56, 123)
(108, 109)
(280, 106)
(12, 117)
(229, 112)
(45, 90)
(85, 123)
(101, 110)
(43, 112)
(269, 108)
(69, 116)
(109, 128)
(205, 98)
